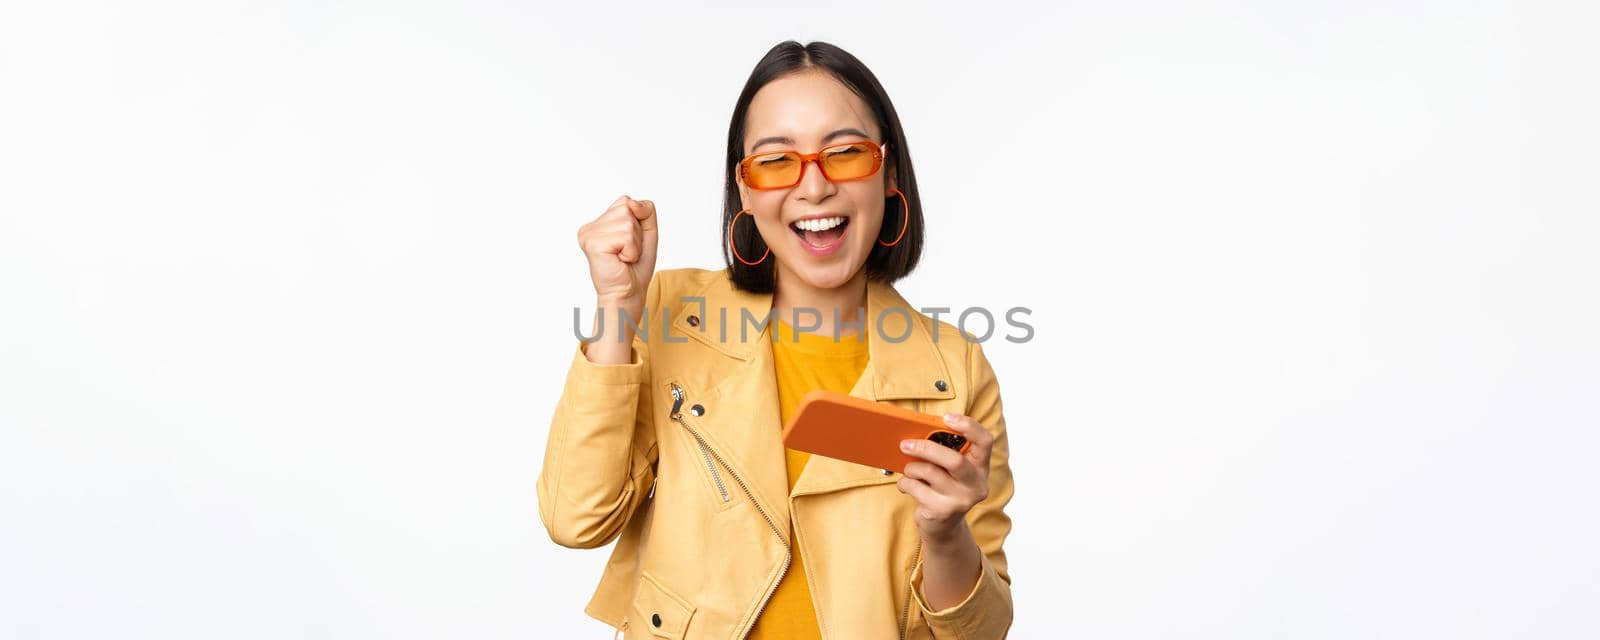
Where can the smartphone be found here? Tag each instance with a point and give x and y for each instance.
(842, 426)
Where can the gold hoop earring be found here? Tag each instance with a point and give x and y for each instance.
(905, 219)
(735, 247)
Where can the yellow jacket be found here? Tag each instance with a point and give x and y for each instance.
(678, 457)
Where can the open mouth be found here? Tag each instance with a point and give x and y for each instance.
(820, 235)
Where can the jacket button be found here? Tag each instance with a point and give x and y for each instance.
(696, 410)
(655, 619)
(694, 320)
(940, 385)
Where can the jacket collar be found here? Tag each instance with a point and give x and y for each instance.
(897, 368)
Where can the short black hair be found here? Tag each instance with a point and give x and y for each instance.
(886, 264)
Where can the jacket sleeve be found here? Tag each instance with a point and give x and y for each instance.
(985, 613)
(600, 455)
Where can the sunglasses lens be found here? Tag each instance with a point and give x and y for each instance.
(850, 162)
(773, 170)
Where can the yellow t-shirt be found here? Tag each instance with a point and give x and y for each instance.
(802, 362)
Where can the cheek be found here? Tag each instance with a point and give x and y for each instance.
(769, 217)
(870, 214)
(770, 227)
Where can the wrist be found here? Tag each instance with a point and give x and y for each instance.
(620, 314)
(953, 539)
(631, 303)
(612, 331)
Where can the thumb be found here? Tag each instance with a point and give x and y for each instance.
(645, 212)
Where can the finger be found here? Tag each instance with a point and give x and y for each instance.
(918, 490)
(628, 225)
(933, 452)
(930, 504)
(641, 213)
(617, 220)
(643, 210)
(618, 211)
(630, 246)
(933, 475)
(647, 227)
(607, 244)
(974, 432)
(620, 203)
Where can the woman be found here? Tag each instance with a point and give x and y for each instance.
(667, 435)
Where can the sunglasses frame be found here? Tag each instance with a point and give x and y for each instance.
(879, 152)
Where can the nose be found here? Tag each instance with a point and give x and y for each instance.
(813, 185)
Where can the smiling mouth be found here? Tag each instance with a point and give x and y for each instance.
(812, 232)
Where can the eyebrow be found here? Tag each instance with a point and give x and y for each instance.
(789, 141)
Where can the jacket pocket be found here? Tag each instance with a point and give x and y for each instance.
(658, 610)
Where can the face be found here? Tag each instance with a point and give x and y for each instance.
(804, 112)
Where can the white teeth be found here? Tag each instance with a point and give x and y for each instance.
(820, 224)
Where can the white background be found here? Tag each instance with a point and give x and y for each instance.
(286, 292)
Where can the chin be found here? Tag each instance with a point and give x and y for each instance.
(830, 276)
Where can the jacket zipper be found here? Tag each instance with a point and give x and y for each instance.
(705, 452)
(788, 554)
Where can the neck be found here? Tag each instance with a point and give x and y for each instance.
(847, 302)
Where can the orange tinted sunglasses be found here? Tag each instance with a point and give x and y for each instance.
(839, 163)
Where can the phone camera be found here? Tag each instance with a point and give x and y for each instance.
(952, 440)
